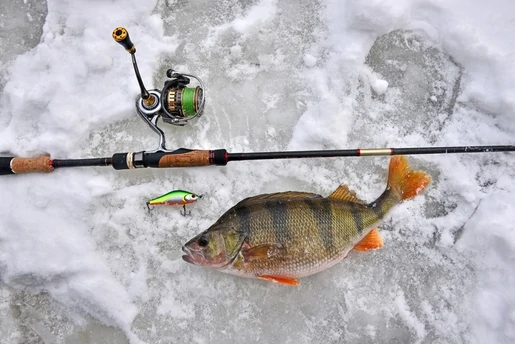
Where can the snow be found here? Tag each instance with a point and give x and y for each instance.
(380, 86)
(309, 60)
(81, 258)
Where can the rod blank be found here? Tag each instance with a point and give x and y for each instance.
(367, 152)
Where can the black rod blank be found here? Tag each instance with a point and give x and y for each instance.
(367, 152)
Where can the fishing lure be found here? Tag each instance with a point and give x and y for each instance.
(175, 197)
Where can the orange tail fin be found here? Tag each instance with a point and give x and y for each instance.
(403, 180)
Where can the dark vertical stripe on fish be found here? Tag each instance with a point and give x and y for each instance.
(321, 210)
(243, 215)
(356, 215)
(277, 208)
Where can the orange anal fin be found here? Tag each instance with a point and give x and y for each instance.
(280, 279)
(371, 241)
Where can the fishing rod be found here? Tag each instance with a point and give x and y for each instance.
(220, 157)
(176, 104)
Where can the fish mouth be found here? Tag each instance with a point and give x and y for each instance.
(189, 257)
(197, 258)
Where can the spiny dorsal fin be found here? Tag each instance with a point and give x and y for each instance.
(371, 241)
(343, 192)
(287, 195)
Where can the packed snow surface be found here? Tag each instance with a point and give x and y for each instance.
(81, 258)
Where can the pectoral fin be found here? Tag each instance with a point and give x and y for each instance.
(280, 279)
(254, 253)
(264, 251)
(371, 241)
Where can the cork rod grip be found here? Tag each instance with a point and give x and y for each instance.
(189, 159)
(12, 165)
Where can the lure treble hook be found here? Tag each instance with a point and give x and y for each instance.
(185, 213)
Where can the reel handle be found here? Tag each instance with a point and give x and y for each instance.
(121, 35)
(14, 165)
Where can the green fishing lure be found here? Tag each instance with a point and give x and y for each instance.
(175, 197)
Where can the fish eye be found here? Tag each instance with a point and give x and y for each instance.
(203, 241)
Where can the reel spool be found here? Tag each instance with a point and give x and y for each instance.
(177, 103)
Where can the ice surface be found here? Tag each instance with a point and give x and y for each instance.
(83, 261)
(21, 25)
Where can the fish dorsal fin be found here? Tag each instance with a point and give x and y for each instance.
(343, 192)
(287, 195)
(371, 241)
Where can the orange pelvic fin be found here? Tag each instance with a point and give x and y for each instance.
(257, 252)
(280, 279)
(371, 241)
(343, 192)
(403, 180)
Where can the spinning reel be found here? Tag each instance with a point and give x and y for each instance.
(175, 104)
